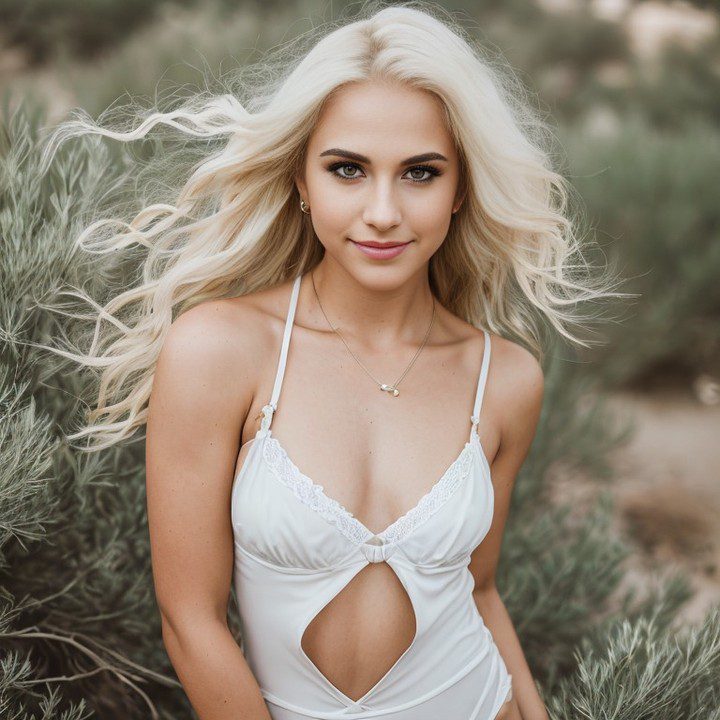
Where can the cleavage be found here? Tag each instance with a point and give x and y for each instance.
(375, 487)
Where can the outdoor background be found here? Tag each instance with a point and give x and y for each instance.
(611, 563)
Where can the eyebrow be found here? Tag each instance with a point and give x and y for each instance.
(424, 157)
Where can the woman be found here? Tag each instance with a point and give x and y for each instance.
(378, 222)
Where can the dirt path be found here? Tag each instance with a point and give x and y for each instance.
(667, 490)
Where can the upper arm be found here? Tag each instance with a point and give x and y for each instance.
(202, 390)
(517, 394)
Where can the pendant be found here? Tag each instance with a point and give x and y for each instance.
(390, 389)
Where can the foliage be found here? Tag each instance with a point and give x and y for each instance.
(79, 629)
(82, 28)
(646, 672)
(653, 194)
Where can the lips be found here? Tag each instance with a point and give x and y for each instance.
(375, 244)
(380, 250)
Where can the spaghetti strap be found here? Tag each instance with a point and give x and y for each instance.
(482, 380)
(269, 409)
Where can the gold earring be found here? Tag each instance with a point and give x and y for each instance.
(304, 207)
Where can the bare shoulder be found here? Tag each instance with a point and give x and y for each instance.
(517, 370)
(224, 328)
(517, 388)
(217, 346)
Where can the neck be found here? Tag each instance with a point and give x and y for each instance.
(376, 316)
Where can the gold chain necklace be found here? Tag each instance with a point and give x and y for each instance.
(392, 389)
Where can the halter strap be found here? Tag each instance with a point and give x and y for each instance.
(270, 408)
(482, 380)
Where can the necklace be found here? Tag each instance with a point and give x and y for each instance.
(392, 389)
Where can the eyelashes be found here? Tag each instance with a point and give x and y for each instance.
(433, 171)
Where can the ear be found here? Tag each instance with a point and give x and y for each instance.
(302, 187)
(459, 196)
(458, 202)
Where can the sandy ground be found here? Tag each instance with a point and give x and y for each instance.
(666, 491)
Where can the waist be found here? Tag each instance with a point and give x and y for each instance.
(475, 692)
(451, 638)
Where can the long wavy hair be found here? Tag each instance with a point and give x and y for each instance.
(230, 224)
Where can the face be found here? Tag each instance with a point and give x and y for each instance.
(381, 167)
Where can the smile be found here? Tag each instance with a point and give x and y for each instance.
(380, 251)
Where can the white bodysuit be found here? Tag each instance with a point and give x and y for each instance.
(296, 549)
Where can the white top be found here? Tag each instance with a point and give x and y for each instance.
(296, 549)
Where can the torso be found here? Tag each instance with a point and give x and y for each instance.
(375, 454)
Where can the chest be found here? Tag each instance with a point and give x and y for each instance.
(375, 454)
(285, 519)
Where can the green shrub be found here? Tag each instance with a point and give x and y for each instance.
(652, 195)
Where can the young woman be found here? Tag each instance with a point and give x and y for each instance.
(335, 419)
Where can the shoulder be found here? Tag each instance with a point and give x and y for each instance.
(217, 347)
(516, 367)
(517, 387)
(212, 341)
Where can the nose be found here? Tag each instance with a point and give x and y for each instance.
(382, 210)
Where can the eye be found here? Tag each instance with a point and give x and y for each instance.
(338, 166)
(429, 169)
(432, 171)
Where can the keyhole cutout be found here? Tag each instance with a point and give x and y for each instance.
(361, 633)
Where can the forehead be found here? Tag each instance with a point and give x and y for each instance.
(381, 118)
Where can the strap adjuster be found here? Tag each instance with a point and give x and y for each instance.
(267, 412)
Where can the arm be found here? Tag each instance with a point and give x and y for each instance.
(201, 394)
(517, 394)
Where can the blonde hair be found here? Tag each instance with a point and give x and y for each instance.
(234, 225)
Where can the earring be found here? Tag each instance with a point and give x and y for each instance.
(304, 207)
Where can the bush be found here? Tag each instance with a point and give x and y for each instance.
(653, 195)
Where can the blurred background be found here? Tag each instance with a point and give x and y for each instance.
(616, 510)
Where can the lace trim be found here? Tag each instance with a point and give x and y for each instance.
(433, 500)
(313, 495)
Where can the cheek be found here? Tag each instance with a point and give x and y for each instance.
(430, 212)
(332, 215)
(428, 216)
(334, 205)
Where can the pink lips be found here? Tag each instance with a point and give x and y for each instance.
(380, 251)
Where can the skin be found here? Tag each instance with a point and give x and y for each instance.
(214, 375)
